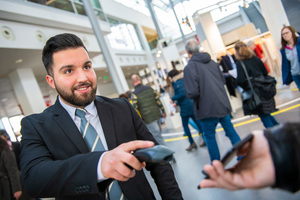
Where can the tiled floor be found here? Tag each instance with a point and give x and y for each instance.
(189, 164)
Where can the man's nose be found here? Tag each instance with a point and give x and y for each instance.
(81, 76)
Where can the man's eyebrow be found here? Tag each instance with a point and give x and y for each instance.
(87, 62)
(71, 66)
(66, 67)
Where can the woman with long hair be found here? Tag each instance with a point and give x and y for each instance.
(290, 53)
(10, 184)
(254, 67)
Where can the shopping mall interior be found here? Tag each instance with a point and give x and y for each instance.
(146, 37)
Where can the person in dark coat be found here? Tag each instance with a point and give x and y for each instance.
(14, 146)
(204, 83)
(229, 80)
(16, 149)
(255, 67)
(185, 104)
(10, 184)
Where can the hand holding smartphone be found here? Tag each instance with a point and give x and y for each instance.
(232, 152)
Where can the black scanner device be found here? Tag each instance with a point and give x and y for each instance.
(156, 154)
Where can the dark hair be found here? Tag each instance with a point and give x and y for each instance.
(242, 51)
(129, 93)
(283, 42)
(58, 43)
(3, 144)
(4, 133)
(173, 73)
(124, 95)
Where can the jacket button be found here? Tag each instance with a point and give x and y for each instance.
(83, 189)
(88, 188)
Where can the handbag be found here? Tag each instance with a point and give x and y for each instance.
(251, 100)
(265, 86)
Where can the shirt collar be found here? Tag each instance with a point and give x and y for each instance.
(91, 108)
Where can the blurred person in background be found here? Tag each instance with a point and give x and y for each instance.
(205, 84)
(186, 106)
(10, 184)
(15, 147)
(257, 49)
(254, 67)
(147, 102)
(290, 54)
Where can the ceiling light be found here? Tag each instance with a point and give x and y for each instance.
(19, 61)
(7, 33)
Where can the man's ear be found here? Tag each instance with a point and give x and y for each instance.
(50, 81)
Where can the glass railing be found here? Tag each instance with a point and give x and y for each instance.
(61, 4)
(123, 35)
(74, 6)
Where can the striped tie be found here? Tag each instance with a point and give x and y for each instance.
(88, 132)
(94, 143)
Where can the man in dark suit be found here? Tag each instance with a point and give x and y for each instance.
(56, 160)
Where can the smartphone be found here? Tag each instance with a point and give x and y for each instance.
(232, 152)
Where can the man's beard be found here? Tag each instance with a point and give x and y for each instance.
(76, 100)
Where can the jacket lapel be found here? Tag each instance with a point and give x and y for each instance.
(68, 126)
(107, 122)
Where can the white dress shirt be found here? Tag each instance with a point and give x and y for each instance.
(93, 118)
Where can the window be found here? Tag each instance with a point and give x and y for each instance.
(75, 6)
(123, 36)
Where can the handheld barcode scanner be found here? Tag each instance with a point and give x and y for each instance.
(157, 154)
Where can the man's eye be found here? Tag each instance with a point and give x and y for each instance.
(68, 71)
(87, 67)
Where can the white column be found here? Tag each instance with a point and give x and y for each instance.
(212, 34)
(27, 91)
(151, 63)
(117, 69)
(115, 72)
(275, 17)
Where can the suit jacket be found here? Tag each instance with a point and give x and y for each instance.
(55, 161)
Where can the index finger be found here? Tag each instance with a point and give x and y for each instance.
(136, 144)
